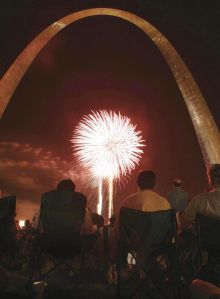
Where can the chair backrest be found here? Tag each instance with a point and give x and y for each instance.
(62, 214)
(7, 221)
(147, 229)
(7, 207)
(208, 232)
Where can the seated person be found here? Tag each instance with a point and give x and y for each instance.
(98, 221)
(206, 203)
(178, 198)
(145, 199)
(112, 220)
(68, 185)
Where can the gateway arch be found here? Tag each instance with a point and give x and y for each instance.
(203, 122)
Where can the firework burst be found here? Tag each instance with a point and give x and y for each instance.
(109, 146)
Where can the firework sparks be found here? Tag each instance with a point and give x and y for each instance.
(109, 146)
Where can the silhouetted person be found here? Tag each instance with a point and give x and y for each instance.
(206, 203)
(112, 220)
(177, 197)
(67, 185)
(97, 220)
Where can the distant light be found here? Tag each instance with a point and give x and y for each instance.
(21, 223)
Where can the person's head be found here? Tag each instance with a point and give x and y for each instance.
(97, 220)
(146, 179)
(214, 174)
(177, 183)
(66, 185)
(112, 219)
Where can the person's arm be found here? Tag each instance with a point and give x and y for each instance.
(188, 217)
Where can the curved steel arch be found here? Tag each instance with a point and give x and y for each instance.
(204, 124)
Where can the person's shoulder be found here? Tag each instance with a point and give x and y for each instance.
(159, 195)
(213, 193)
(201, 195)
(163, 200)
(198, 199)
(184, 191)
(80, 195)
(129, 198)
(48, 194)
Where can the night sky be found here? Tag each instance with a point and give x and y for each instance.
(104, 63)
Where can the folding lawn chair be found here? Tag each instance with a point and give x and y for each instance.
(7, 231)
(150, 238)
(208, 237)
(61, 217)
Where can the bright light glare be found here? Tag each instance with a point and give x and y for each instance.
(21, 223)
(107, 144)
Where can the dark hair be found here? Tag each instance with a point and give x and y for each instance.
(98, 220)
(66, 185)
(214, 173)
(146, 179)
(177, 183)
(112, 219)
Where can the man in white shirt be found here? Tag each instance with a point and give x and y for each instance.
(145, 199)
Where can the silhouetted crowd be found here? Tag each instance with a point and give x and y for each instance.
(65, 228)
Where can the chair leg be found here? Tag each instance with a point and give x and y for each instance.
(33, 260)
(106, 250)
(118, 271)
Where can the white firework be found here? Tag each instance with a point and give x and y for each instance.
(108, 145)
